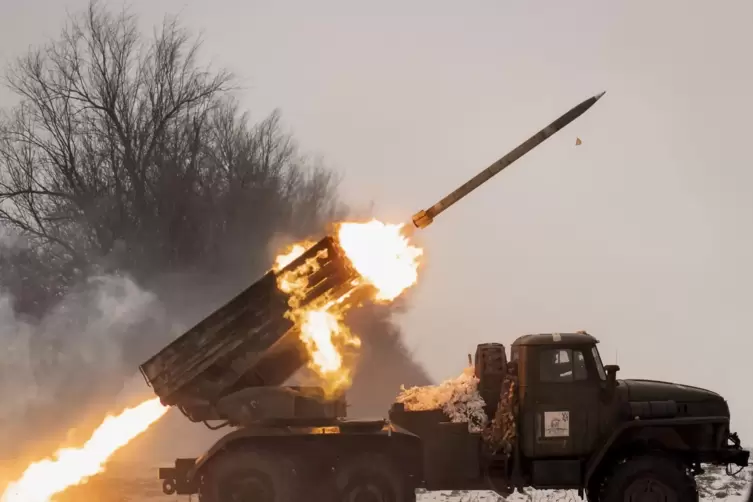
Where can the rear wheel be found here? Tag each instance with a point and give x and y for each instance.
(649, 478)
(249, 477)
(371, 478)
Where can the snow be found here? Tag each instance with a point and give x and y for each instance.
(713, 485)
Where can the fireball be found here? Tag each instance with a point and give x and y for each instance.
(381, 255)
(73, 466)
(384, 259)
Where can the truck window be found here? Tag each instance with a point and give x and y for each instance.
(580, 366)
(599, 364)
(562, 365)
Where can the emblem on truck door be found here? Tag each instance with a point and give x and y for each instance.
(556, 424)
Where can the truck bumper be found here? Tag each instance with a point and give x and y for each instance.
(733, 453)
(179, 479)
(737, 457)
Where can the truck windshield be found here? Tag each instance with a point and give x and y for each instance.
(599, 365)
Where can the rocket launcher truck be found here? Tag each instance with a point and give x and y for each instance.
(558, 417)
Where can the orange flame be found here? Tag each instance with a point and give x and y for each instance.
(73, 466)
(320, 324)
(290, 254)
(382, 255)
(383, 258)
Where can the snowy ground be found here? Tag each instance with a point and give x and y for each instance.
(126, 483)
(714, 486)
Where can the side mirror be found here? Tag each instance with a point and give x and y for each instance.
(612, 370)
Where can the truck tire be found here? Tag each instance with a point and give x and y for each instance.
(239, 476)
(651, 477)
(371, 478)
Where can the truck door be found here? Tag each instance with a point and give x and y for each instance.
(562, 407)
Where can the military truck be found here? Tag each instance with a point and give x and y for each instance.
(578, 428)
(575, 425)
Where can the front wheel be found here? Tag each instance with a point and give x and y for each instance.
(649, 478)
(249, 477)
(372, 478)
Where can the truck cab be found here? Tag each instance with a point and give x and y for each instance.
(566, 402)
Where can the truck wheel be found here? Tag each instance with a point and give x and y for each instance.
(647, 478)
(249, 477)
(371, 478)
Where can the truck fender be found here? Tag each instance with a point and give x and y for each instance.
(224, 442)
(653, 429)
(665, 436)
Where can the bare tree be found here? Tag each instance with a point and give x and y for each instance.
(128, 149)
(126, 155)
(80, 153)
(261, 185)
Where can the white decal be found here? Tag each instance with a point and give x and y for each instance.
(556, 337)
(556, 424)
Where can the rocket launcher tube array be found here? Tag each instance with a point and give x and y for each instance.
(424, 218)
(248, 342)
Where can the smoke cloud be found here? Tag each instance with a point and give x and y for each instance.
(60, 374)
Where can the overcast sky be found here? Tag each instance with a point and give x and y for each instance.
(642, 235)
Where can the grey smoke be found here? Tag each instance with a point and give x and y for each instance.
(17, 385)
(73, 363)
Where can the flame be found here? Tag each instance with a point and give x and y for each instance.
(383, 258)
(290, 254)
(382, 255)
(326, 335)
(73, 466)
(322, 331)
